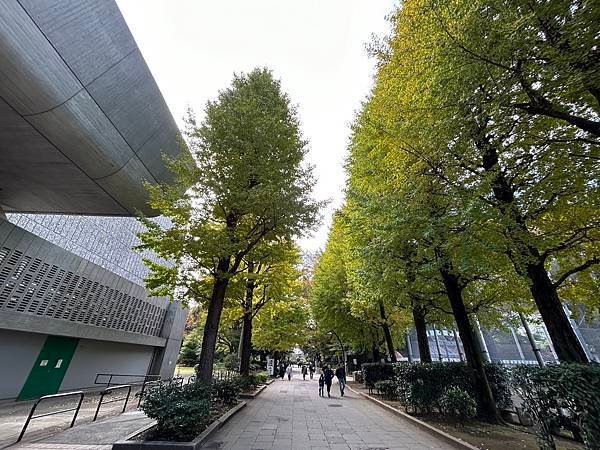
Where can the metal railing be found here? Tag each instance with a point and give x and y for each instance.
(110, 390)
(145, 386)
(30, 417)
(110, 376)
(224, 375)
(177, 380)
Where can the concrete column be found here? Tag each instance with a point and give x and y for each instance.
(437, 344)
(517, 343)
(484, 349)
(460, 353)
(165, 358)
(409, 347)
(534, 347)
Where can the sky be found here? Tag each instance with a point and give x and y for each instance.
(315, 47)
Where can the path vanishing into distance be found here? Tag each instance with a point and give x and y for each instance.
(291, 415)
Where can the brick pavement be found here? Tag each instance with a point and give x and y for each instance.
(291, 415)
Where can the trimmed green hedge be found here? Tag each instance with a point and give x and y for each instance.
(374, 372)
(574, 388)
(421, 386)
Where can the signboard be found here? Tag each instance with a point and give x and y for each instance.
(270, 366)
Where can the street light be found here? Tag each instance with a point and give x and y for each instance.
(341, 346)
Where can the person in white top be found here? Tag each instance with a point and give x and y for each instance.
(289, 372)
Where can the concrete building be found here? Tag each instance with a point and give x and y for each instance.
(82, 127)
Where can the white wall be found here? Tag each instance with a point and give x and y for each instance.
(18, 352)
(92, 357)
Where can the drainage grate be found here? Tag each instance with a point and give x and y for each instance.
(335, 405)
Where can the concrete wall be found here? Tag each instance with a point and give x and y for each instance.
(18, 352)
(92, 357)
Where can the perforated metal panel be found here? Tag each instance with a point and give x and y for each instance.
(38, 278)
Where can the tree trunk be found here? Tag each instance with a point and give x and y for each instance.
(246, 336)
(565, 341)
(388, 335)
(213, 317)
(529, 263)
(421, 327)
(470, 345)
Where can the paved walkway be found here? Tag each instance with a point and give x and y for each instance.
(92, 436)
(291, 415)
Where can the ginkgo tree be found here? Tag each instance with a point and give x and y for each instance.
(499, 100)
(242, 182)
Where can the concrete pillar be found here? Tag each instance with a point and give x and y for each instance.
(517, 343)
(437, 344)
(484, 349)
(460, 353)
(165, 358)
(534, 347)
(409, 347)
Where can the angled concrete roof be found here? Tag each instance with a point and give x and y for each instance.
(82, 121)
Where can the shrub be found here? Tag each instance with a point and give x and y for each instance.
(573, 387)
(499, 378)
(358, 376)
(374, 372)
(388, 388)
(247, 383)
(458, 403)
(262, 377)
(226, 391)
(231, 361)
(422, 385)
(180, 412)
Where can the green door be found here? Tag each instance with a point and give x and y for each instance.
(49, 368)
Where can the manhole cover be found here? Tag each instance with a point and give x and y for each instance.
(335, 405)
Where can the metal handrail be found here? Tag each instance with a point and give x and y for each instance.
(30, 417)
(143, 390)
(109, 390)
(144, 378)
(177, 380)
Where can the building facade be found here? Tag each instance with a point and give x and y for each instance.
(83, 127)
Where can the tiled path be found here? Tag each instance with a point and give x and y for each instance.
(291, 415)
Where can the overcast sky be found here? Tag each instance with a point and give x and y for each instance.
(316, 48)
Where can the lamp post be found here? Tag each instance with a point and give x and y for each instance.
(341, 346)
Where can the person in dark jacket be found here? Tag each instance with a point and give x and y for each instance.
(321, 385)
(328, 378)
(340, 373)
(304, 372)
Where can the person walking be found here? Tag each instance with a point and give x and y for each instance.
(281, 371)
(304, 372)
(311, 369)
(340, 373)
(328, 378)
(289, 372)
(321, 385)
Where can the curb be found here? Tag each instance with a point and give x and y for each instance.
(127, 444)
(448, 438)
(255, 393)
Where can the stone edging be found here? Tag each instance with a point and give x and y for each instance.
(255, 393)
(456, 442)
(127, 444)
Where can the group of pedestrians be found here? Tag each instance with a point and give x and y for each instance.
(326, 379)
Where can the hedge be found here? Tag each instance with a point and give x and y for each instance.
(572, 388)
(374, 372)
(421, 386)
